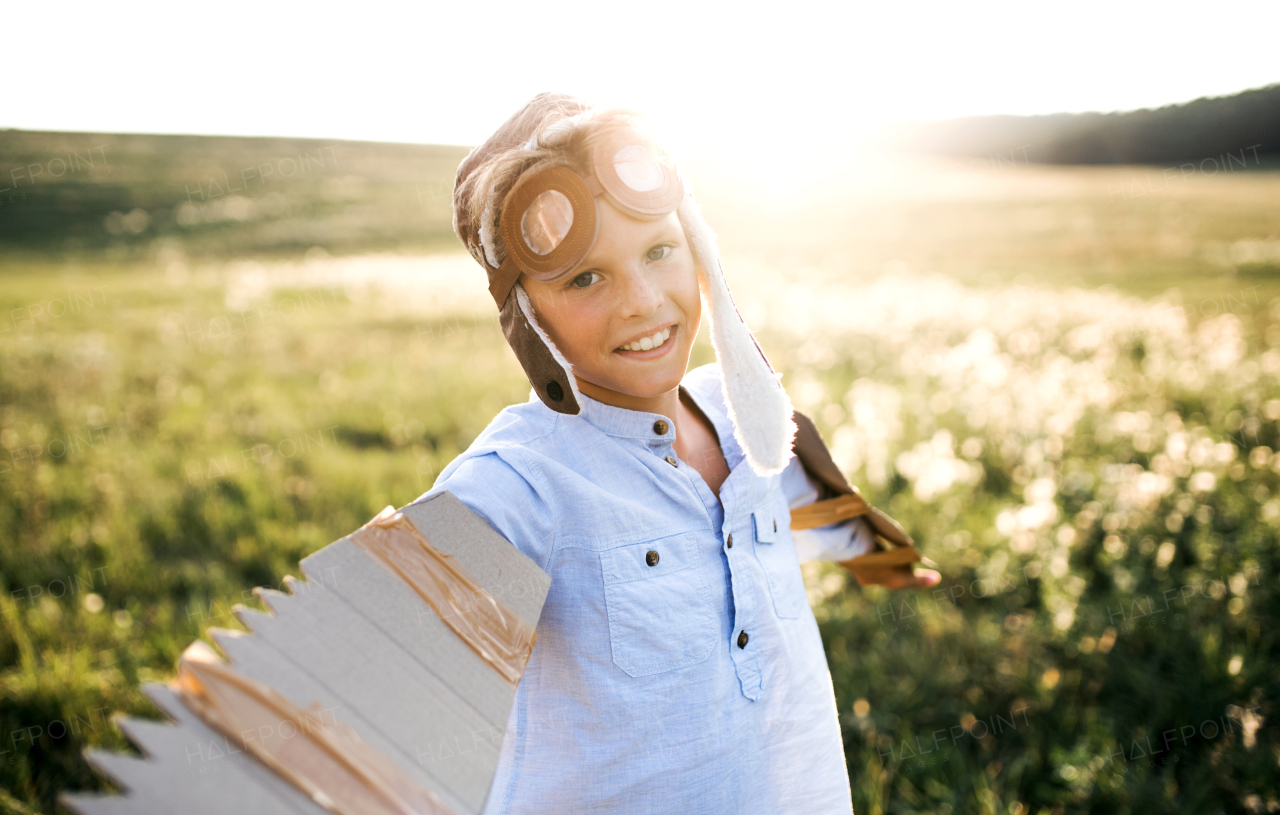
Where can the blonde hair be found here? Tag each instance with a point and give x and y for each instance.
(560, 138)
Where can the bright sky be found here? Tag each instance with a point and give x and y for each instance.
(775, 75)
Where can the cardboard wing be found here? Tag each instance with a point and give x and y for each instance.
(394, 691)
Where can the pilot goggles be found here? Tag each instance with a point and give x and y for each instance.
(549, 219)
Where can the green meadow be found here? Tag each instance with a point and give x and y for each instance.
(1064, 382)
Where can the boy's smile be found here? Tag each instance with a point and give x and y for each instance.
(626, 316)
(647, 342)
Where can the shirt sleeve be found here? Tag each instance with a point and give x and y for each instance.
(496, 491)
(838, 541)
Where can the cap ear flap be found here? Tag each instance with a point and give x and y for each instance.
(757, 403)
(549, 372)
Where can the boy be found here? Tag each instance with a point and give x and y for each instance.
(678, 667)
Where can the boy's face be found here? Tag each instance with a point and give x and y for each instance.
(627, 315)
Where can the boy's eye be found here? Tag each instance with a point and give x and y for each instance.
(583, 280)
(659, 252)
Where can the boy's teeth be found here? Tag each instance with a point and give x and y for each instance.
(649, 343)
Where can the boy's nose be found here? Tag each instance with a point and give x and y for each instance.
(641, 295)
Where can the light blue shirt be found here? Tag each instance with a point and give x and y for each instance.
(638, 697)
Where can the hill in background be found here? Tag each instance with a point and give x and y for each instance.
(1243, 129)
(95, 199)
(222, 195)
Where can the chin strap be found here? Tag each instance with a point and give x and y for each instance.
(847, 502)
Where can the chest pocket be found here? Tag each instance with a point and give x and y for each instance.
(659, 606)
(777, 555)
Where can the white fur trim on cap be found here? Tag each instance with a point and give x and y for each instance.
(758, 404)
(486, 234)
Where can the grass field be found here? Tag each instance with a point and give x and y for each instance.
(1069, 396)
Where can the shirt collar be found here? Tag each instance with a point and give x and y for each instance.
(624, 423)
(634, 424)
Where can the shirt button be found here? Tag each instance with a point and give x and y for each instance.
(660, 427)
(729, 541)
(651, 557)
(672, 461)
(742, 639)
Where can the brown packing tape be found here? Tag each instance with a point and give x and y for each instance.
(496, 633)
(326, 760)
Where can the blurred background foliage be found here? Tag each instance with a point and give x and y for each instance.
(1063, 381)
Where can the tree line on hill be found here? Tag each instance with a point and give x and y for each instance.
(1245, 126)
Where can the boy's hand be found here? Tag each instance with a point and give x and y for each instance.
(893, 567)
(897, 577)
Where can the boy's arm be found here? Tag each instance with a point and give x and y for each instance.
(496, 491)
(837, 541)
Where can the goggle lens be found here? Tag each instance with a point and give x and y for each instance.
(546, 221)
(638, 168)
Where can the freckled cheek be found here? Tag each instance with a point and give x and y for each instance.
(687, 297)
(574, 329)
(589, 329)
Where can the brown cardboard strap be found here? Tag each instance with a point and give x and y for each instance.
(817, 462)
(816, 458)
(503, 280)
(496, 633)
(870, 569)
(830, 511)
(897, 556)
(325, 759)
